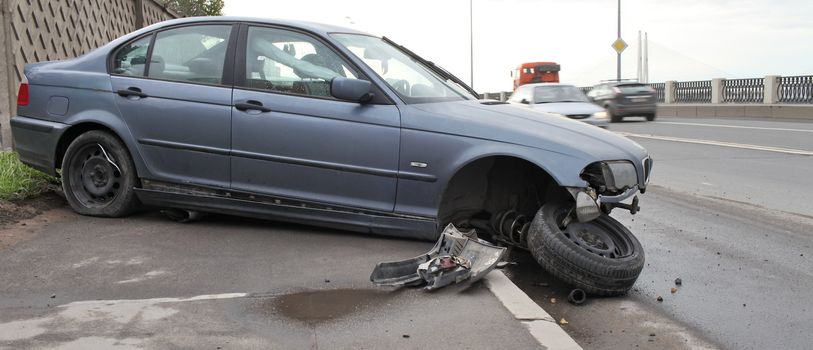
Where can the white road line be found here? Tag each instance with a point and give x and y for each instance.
(158, 300)
(539, 323)
(720, 143)
(736, 126)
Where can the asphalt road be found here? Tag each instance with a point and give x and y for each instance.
(73, 282)
(729, 213)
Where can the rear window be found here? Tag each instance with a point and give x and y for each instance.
(634, 88)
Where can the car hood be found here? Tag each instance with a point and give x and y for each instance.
(568, 108)
(523, 126)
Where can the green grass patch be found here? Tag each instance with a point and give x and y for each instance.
(18, 181)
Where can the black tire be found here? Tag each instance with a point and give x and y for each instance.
(614, 118)
(560, 255)
(93, 186)
(650, 117)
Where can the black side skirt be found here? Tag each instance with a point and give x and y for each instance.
(324, 216)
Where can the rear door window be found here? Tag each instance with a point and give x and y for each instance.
(195, 54)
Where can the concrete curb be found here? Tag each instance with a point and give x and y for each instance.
(733, 110)
(539, 323)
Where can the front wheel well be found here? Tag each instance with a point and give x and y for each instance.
(71, 134)
(491, 186)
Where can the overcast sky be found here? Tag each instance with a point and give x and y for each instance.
(689, 39)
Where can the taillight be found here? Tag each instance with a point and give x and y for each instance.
(22, 95)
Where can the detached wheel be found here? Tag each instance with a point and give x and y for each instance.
(98, 176)
(601, 256)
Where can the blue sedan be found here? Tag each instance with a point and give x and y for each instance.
(326, 126)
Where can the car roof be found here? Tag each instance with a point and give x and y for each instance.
(96, 60)
(319, 28)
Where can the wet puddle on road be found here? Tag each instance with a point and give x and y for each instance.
(323, 305)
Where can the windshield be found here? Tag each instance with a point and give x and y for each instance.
(558, 93)
(410, 79)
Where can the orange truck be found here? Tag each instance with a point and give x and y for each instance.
(536, 72)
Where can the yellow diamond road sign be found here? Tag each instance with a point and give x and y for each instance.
(619, 45)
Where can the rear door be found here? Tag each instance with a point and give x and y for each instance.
(291, 138)
(175, 97)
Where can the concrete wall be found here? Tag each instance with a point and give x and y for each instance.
(787, 111)
(44, 30)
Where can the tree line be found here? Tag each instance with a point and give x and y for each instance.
(191, 8)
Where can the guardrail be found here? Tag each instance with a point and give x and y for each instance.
(750, 90)
(798, 89)
(692, 91)
(660, 91)
(769, 90)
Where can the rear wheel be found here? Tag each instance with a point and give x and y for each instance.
(98, 176)
(602, 257)
(650, 117)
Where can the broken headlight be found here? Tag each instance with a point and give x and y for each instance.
(612, 176)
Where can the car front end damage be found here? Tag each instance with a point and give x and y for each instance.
(610, 183)
(581, 224)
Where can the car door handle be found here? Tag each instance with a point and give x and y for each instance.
(252, 105)
(131, 91)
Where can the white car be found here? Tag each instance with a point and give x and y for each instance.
(562, 99)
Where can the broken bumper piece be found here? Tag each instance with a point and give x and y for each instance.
(456, 257)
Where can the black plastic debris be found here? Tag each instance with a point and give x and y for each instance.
(182, 216)
(456, 257)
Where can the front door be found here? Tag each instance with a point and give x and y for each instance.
(178, 107)
(291, 138)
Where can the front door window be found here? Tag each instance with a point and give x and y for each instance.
(289, 62)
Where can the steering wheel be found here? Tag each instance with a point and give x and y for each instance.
(401, 86)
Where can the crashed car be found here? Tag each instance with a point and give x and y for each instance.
(327, 126)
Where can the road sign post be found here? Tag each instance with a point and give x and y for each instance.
(619, 46)
(618, 75)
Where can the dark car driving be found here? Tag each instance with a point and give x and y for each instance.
(625, 99)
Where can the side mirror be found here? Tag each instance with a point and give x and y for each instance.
(348, 89)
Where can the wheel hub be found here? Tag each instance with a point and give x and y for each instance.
(97, 176)
(593, 238)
